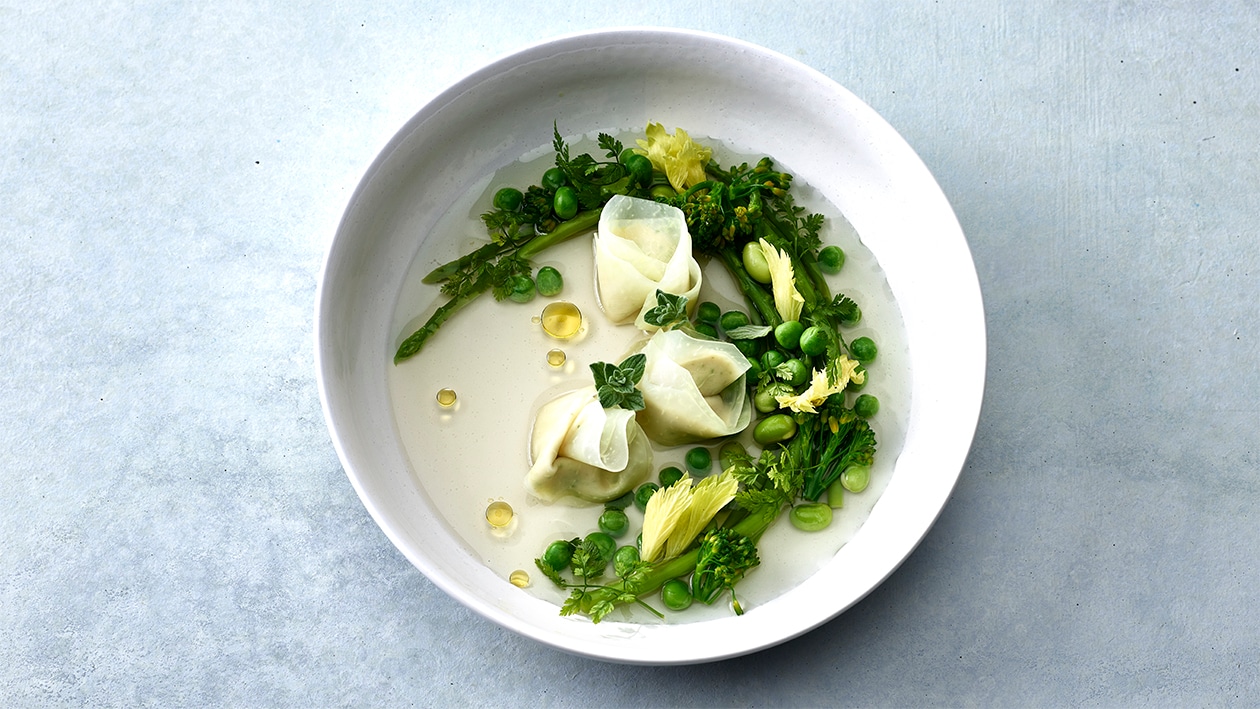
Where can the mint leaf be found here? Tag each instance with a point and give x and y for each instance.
(617, 385)
(670, 309)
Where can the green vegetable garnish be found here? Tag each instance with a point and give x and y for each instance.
(864, 350)
(614, 522)
(722, 560)
(675, 595)
(699, 460)
(617, 385)
(670, 475)
(566, 203)
(549, 281)
(699, 538)
(669, 310)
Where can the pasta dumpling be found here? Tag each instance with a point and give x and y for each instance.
(580, 449)
(642, 246)
(693, 389)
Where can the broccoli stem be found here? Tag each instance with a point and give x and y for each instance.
(447, 270)
(416, 340)
(566, 230)
(815, 274)
(760, 300)
(583, 222)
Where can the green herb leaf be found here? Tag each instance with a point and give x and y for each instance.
(670, 310)
(611, 145)
(549, 571)
(748, 332)
(588, 562)
(617, 385)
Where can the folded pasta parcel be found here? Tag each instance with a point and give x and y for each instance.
(580, 449)
(641, 247)
(693, 389)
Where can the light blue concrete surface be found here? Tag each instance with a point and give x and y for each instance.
(177, 530)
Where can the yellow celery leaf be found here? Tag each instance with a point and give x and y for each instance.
(820, 387)
(661, 516)
(787, 300)
(848, 369)
(709, 496)
(678, 156)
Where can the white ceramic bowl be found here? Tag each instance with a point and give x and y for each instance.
(717, 86)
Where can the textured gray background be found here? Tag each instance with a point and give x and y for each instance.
(177, 530)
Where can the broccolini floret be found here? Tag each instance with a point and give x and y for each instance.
(724, 557)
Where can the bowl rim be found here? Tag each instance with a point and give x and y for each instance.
(967, 406)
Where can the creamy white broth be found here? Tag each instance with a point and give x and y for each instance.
(494, 356)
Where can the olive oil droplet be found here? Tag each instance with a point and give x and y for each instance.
(561, 319)
(446, 397)
(499, 513)
(519, 578)
(556, 358)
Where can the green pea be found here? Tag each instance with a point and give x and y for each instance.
(624, 560)
(788, 334)
(733, 319)
(863, 350)
(754, 368)
(604, 543)
(707, 329)
(730, 454)
(549, 281)
(708, 312)
(676, 595)
(643, 494)
(699, 460)
(663, 192)
(621, 502)
(755, 262)
(811, 516)
(614, 522)
(855, 478)
(795, 372)
(521, 289)
(508, 199)
(866, 406)
(670, 475)
(772, 359)
(765, 401)
(831, 259)
(558, 554)
(748, 348)
(565, 203)
(814, 341)
(640, 168)
(554, 179)
(775, 428)
(835, 494)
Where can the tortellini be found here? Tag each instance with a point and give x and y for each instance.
(580, 449)
(694, 389)
(642, 246)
